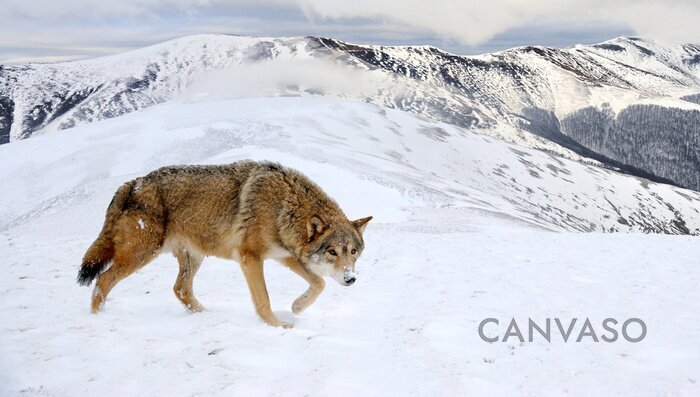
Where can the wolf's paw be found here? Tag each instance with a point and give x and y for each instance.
(301, 303)
(195, 307)
(285, 325)
(298, 307)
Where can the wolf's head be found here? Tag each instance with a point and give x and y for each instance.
(334, 248)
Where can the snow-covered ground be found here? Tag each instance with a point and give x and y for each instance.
(466, 228)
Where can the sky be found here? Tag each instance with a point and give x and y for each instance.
(49, 30)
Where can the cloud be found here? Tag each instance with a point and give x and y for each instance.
(475, 22)
(81, 28)
(291, 77)
(88, 9)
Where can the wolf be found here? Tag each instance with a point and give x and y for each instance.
(247, 211)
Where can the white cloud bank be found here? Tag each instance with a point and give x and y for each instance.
(290, 77)
(78, 28)
(475, 22)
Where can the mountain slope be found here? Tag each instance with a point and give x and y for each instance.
(437, 163)
(461, 234)
(530, 96)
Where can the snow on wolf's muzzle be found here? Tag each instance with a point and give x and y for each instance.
(346, 278)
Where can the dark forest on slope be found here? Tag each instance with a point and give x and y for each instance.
(661, 140)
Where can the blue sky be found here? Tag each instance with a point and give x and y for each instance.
(46, 30)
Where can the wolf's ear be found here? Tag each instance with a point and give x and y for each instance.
(361, 223)
(315, 227)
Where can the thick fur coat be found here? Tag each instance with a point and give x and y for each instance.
(247, 211)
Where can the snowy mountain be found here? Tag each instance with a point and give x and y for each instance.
(468, 165)
(437, 164)
(462, 232)
(608, 104)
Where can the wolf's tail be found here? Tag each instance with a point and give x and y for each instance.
(101, 251)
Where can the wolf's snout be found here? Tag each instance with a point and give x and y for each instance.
(344, 279)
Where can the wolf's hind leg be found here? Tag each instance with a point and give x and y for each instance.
(137, 240)
(252, 267)
(122, 267)
(189, 264)
(316, 285)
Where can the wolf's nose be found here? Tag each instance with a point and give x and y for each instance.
(350, 280)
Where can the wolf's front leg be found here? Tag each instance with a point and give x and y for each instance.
(252, 267)
(316, 285)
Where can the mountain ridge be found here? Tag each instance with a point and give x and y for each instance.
(522, 95)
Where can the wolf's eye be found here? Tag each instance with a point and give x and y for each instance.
(332, 252)
(353, 251)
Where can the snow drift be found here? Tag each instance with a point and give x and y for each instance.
(461, 233)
